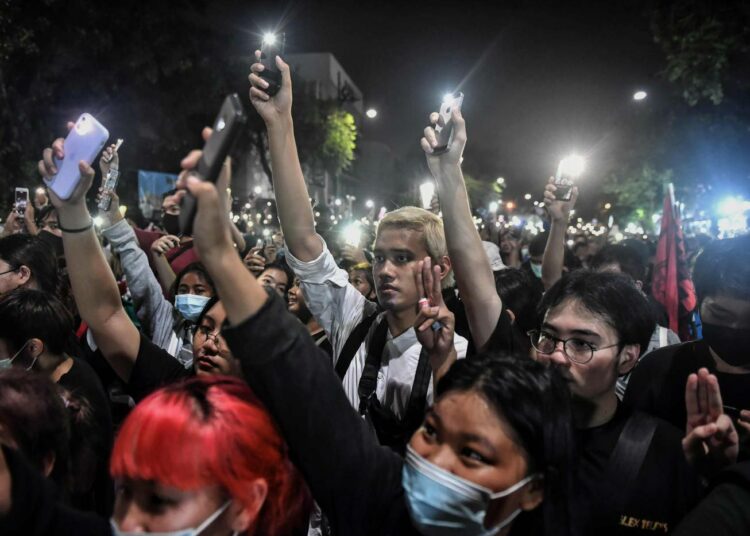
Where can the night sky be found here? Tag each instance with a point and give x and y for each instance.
(541, 79)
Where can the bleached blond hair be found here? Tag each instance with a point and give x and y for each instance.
(425, 222)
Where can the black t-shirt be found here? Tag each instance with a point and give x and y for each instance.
(663, 492)
(504, 339)
(153, 368)
(82, 381)
(726, 510)
(657, 385)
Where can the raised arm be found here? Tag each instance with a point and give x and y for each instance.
(474, 277)
(292, 199)
(92, 281)
(554, 251)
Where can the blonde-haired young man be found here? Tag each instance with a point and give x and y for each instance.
(377, 355)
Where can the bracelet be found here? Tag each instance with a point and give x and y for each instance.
(79, 230)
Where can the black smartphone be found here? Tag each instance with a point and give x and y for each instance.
(226, 128)
(444, 128)
(568, 171)
(272, 46)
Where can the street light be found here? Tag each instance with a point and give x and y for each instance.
(372, 113)
(258, 190)
(639, 95)
(493, 206)
(369, 203)
(527, 197)
(500, 181)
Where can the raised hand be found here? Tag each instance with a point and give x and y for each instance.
(559, 210)
(711, 441)
(271, 109)
(454, 155)
(163, 244)
(436, 338)
(109, 160)
(255, 262)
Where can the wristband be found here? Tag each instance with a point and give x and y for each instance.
(79, 230)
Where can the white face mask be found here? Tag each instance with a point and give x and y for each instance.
(182, 532)
(8, 361)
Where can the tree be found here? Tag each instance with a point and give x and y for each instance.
(637, 194)
(701, 41)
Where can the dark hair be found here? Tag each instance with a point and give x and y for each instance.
(26, 250)
(43, 212)
(612, 297)
(280, 264)
(537, 244)
(627, 258)
(34, 415)
(535, 401)
(192, 268)
(364, 268)
(519, 294)
(723, 267)
(32, 314)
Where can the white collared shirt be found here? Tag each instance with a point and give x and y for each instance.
(339, 308)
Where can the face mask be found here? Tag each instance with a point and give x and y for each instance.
(732, 344)
(190, 306)
(443, 504)
(8, 361)
(171, 224)
(182, 532)
(537, 269)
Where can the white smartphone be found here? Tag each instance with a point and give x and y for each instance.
(85, 140)
(444, 131)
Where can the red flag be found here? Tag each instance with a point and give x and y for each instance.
(671, 285)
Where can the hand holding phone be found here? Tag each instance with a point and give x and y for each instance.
(226, 128)
(84, 141)
(272, 46)
(444, 128)
(568, 171)
(109, 164)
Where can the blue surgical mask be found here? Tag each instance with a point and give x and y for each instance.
(443, 504)
(537, 269)
(190, 305)
(7, 362)
(182, 532)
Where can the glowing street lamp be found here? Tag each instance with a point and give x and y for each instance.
(369, 203)
(372, 113)
(500, 181)
(639, 95)
(257, 190)
(527, 197)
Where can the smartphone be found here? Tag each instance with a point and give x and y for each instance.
(84, 141)
(272, 46)
(226, 128)
(563, 185)
(444, 131)
(110, 181)
(22, 200)
(260, 244)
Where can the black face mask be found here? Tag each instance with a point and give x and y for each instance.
(53, 241)
(171, 224)
(732, 345)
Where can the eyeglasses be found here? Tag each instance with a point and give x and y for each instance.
(576, 350)
(9, 271)
(208, 333)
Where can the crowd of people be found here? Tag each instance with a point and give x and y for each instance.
(434, 384)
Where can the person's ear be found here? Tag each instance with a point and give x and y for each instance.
(48, 464)
(628, 358)
(246, 514)
(445, 266)
(35, 347)
(24, 274)
(532, 494)
(512, 316)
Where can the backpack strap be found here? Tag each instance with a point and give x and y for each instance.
(352, 344)
(418, 397)
(369, 380)
(626, 460)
